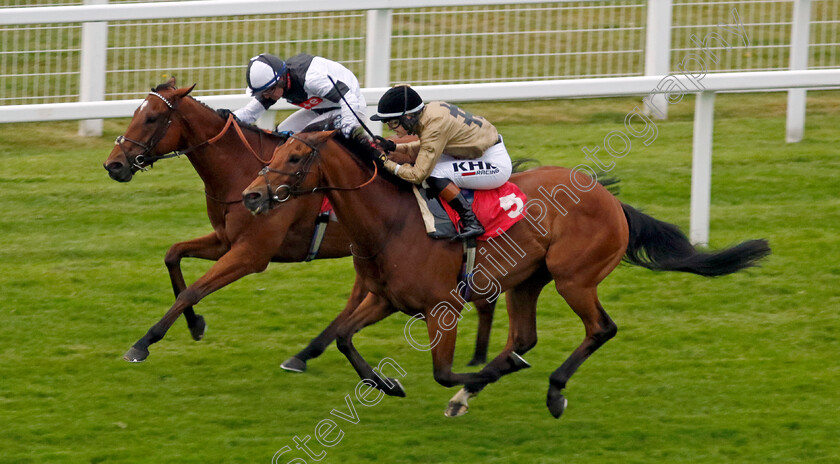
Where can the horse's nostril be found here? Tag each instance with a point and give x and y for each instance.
(113, 166)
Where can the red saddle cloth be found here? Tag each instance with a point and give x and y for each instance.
(326, 207)
(496, 209)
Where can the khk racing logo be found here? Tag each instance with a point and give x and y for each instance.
(471, 168)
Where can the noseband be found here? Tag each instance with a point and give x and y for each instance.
(291, 190)
(139, 160)
(285, 192)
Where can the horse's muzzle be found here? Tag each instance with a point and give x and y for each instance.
(257, 202)
(118, 171)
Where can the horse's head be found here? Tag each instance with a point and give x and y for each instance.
(148, 135)
(288, 173)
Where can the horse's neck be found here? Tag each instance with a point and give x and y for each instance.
(371, 215)
(226, 164)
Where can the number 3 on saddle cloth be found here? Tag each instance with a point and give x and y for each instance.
(497, 210)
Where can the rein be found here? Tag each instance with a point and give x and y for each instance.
(294, 190)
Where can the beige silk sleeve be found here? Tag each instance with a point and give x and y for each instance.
(430, 147)
(410, 148)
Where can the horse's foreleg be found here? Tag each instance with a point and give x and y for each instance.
(297, 363)
(599, 328)
(482, 339)
(371, 310)
(206, 247)
(232, 266)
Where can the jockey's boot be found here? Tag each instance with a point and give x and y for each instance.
(470, 225)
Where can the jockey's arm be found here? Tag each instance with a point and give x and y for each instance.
(320, 85)
(250, 112)
(428, 149)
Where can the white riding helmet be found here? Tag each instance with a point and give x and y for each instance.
(264, 71)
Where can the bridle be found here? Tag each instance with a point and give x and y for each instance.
(139, 160)
(295, 189)
(144, 158)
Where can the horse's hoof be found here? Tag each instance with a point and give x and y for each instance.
(476, 361)
(556, 402)
(197, 331)
(294, 364)
(456, 409)
(136, 355)
(518, 361)
(396, 390)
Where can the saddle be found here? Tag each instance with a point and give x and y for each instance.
(497, 209)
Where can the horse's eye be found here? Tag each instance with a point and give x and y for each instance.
(151, 119)
(294, 158)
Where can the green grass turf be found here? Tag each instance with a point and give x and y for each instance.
(739, 369)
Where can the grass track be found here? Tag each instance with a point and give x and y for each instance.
(738, 369)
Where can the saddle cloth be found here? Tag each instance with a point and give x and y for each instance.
(497, 210)
(327, 209)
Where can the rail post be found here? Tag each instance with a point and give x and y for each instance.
(800, 33)
(658, 50)
(92, 69)
(378, 56)
(701, 167)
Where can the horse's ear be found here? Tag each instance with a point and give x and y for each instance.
(171, 82)
(321, 137)
(181, 93)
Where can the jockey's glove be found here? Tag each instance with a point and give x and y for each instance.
(386, 145)
(225, 113)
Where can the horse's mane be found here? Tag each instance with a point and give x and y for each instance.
(252, 128)
(165, 86)
(366, 155)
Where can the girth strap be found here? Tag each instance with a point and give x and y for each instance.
(320, 229)
(468, 267)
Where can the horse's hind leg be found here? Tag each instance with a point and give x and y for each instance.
(297, 363)
(482, 339)
(599, 328)
(206, 247)
(522, 336)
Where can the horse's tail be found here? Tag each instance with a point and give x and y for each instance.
(661, 246)
(518, 164)
(609, 183)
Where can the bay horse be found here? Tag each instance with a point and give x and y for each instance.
(574, 232)
(227, 158)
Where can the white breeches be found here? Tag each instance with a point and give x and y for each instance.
(303, 117)
(490, 170)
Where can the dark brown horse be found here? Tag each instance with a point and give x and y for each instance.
(575, 234)
(227, 158)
